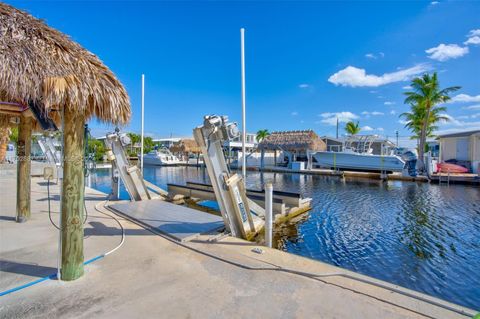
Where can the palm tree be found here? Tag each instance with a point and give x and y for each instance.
(424, 98)
(261, 135)
(352, 128)
(414, 120)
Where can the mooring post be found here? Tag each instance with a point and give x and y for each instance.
(73, 188)
(23, 168)
(268, 214)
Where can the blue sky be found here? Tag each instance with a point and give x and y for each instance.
(307, 62)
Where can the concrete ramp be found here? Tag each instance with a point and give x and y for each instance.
(178, 222)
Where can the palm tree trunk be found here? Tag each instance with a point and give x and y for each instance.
(423, 140)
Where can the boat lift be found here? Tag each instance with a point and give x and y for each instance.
(241, 215)
(138, 188)
(229, 188)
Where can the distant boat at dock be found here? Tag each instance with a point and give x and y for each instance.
(161, 157)
(357, 155)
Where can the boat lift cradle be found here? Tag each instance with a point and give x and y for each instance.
(229, 188)
(138, 188)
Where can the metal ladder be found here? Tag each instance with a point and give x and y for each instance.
(131, 176)
(446, 180)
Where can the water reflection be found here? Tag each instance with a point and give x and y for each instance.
(420, 236)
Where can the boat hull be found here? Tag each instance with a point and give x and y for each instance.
(156, 161)
(359, 162)
(451, 168)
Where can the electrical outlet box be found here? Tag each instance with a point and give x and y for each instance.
(47, 173)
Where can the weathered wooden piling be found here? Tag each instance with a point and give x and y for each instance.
(23, 168)
(73, 189)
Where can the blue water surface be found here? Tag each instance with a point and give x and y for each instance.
(421, 236)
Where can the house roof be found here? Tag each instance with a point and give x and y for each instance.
(459, 134)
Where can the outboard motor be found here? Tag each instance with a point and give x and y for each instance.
(410, 159)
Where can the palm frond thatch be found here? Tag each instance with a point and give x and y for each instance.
(40, 65)
(186, 146)
(293, 141)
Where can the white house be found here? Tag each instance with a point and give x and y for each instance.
(462, 147)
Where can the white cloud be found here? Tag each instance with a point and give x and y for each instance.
(366, 128)
(304, 86)
(457, 122)
(473, 40)
(472, 107)
(380, 129)
(331, 118)
(444, 52)
(352, 76)
(374, 113)
(402, 122)
(375, 56)
(473, 33)
(388, 103)
(393, 112)
(373, 91)
(466, 117)
(434, 3)
(294, 113)
(407, 87)
(465, 98)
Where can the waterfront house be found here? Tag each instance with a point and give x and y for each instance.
(333, 144)
(462, 148)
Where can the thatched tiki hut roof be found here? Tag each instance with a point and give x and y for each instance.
(43, 72)
(186, 146)
(42, 66)
(293, 141)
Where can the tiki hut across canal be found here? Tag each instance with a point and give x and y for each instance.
(293, 144)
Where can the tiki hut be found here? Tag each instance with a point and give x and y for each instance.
(48, 81)
(185, 147)
(293, 143)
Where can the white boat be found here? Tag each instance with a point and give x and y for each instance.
(161, 157)
(357, 155)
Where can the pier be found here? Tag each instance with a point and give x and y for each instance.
(152, 275)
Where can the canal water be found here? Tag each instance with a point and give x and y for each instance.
(421, 236)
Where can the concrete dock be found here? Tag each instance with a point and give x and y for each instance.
(153, 276)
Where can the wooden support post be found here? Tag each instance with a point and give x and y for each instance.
(24, 145)
(73, 188)
(275, 158)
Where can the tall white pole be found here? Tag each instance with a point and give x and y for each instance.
(244, 129)
(143, 119)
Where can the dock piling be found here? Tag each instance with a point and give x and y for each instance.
(73, 188)
(23, 168)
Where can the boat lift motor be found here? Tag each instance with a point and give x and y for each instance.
(229, 187)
